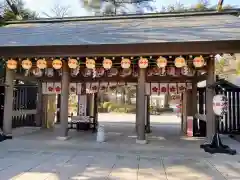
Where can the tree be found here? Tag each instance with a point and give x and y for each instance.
(201, 5)
(15, 10)
(114, 7)
(58, 11)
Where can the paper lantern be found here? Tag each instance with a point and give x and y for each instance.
(26, 64)
(90, 63)
(161, 62)
(143, 63)
(12, 64)
(220, 104)
(72, 63)
(125, 63)
(57, 64)
(180, 62)
(107, 63)
(41, 63)
(198, 61)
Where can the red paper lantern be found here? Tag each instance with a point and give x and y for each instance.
(143, 63)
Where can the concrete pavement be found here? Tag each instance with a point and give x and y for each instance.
(37, 155)
(63, 165)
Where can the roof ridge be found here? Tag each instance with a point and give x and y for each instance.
(129, 16)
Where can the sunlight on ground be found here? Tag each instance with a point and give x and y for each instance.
(36, 176)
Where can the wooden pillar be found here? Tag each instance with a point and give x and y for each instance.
(184, 114)
(189, 108)
(210, 117)
(39, 114)
(147, 114)
(8, 103)
(141, 105)
(194, 104)
(63, 135)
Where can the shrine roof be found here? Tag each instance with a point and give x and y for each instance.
(224, 84)
(131, 29)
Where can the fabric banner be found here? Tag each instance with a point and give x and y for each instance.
(44, 88)
(171, 71)
(50, 88)
(172, 88)
(79, 88)
(163, 88)
(189, 86)
(88, 87)
(72, 88)
(112, 86)
(82, 103)
(181, 87)
(154, 88)
(94, 87)
(147, 88)
(57, 87)
(103, 86)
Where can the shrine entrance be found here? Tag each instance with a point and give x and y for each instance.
(140, 51)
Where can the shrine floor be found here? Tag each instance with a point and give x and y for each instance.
(36, 154)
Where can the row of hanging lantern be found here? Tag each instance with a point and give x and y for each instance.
(107, 63)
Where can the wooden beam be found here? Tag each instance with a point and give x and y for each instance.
(141, 49)
(162, 79)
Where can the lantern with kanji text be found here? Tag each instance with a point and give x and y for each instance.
(26, 64)
(12, 64)
(57, 64)
(72, 63)
(107, 63)
(220, 104)
(90, 63)
(143, 62)
(41, 63)
(161, 62)
(125, 63)
(198, 62)
(180, 62)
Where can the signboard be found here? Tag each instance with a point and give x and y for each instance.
(190, 126)
(220, 104)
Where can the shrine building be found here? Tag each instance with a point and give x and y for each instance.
(157, 53)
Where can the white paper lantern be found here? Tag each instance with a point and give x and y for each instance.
(26, 64)
(180, 62)
(125, 63)
(12, 64)
(57, 64)
(220, 104)
(72, 63)
(107, 63)
(161, 62)
(143, 63)
(198, 61)
(41, 63)
(90, 63)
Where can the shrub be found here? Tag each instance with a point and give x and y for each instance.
(106, 104)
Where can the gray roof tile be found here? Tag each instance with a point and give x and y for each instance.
(123, 31)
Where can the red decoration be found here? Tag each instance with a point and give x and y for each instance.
(50, 89)
(58, 89)
(163, 89)
(172, 89)
(155, 89)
